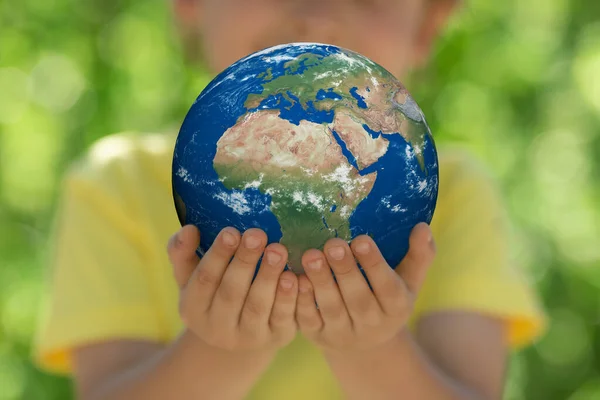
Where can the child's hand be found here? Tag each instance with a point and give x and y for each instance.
(350, 316)
(218, 300)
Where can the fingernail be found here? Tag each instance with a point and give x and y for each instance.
(286, 283)
(229, 239)
(362, 248)
(337, 253)
(315, 265)
(272, 257)
(252, 242)
(304, 289)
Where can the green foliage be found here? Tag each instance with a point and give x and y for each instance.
(518, 82)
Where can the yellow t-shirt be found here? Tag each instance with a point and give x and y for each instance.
(111, 277)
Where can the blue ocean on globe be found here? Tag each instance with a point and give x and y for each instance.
(308, 142)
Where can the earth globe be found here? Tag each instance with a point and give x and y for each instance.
(307, 142)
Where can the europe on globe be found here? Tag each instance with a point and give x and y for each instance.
(306, 141)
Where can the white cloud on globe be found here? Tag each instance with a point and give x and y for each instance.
(235, 200)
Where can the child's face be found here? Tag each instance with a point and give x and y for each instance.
(395, 33)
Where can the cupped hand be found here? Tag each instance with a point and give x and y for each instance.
(351, 316)
(221, 304)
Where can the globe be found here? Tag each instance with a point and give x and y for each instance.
(307, 142)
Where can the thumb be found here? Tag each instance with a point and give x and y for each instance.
(421, 252)
(182, 253)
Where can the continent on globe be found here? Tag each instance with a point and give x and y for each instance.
(307, 142)
(313, 187)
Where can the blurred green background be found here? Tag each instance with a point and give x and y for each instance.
(518, 82)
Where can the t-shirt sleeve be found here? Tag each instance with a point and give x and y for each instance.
(98, 280)
(473, 269)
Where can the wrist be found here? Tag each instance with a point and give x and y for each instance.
(376, 352)
(195, 344)
(211, 372)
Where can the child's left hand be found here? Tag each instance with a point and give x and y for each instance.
(351, 316)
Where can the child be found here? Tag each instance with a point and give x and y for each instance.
(435, 328)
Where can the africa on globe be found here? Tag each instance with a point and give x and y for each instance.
(307, 142)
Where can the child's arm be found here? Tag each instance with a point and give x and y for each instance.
(234, 326)
(186, 369)
(363, 333)
(453, 357)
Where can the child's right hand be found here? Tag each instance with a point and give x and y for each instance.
(218, 300)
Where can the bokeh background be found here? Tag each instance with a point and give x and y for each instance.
(518, 82)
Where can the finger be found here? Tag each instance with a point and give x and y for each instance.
(331, 305)
(182, 253)
(307, 315)
(259, 303)
(355, 291)
(390, 291)
(208, 275)
(421, 252)
(284, 309)
(232, 292)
